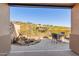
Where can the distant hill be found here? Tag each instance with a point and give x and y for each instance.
(31, 29)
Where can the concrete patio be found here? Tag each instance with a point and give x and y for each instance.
(44, 48)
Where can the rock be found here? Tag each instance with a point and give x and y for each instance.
(21, 42)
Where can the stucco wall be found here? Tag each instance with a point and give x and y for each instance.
(74, 40)
(75, 19)
(4, 29)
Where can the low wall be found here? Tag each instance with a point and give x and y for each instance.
(4, 44)
(74, 43)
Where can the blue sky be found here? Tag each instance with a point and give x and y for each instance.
(51, 16)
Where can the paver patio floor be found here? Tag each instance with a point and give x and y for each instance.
(45, 47)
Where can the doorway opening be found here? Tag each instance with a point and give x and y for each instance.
(33, 29)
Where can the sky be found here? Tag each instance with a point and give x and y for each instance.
(51, 16)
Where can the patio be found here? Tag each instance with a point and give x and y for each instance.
(45, 47)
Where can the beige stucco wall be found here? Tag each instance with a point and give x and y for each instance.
(74, 40)
(75, 19)
(4, 29)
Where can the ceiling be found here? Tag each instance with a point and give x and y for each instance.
(43, 4)
(61, 4)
